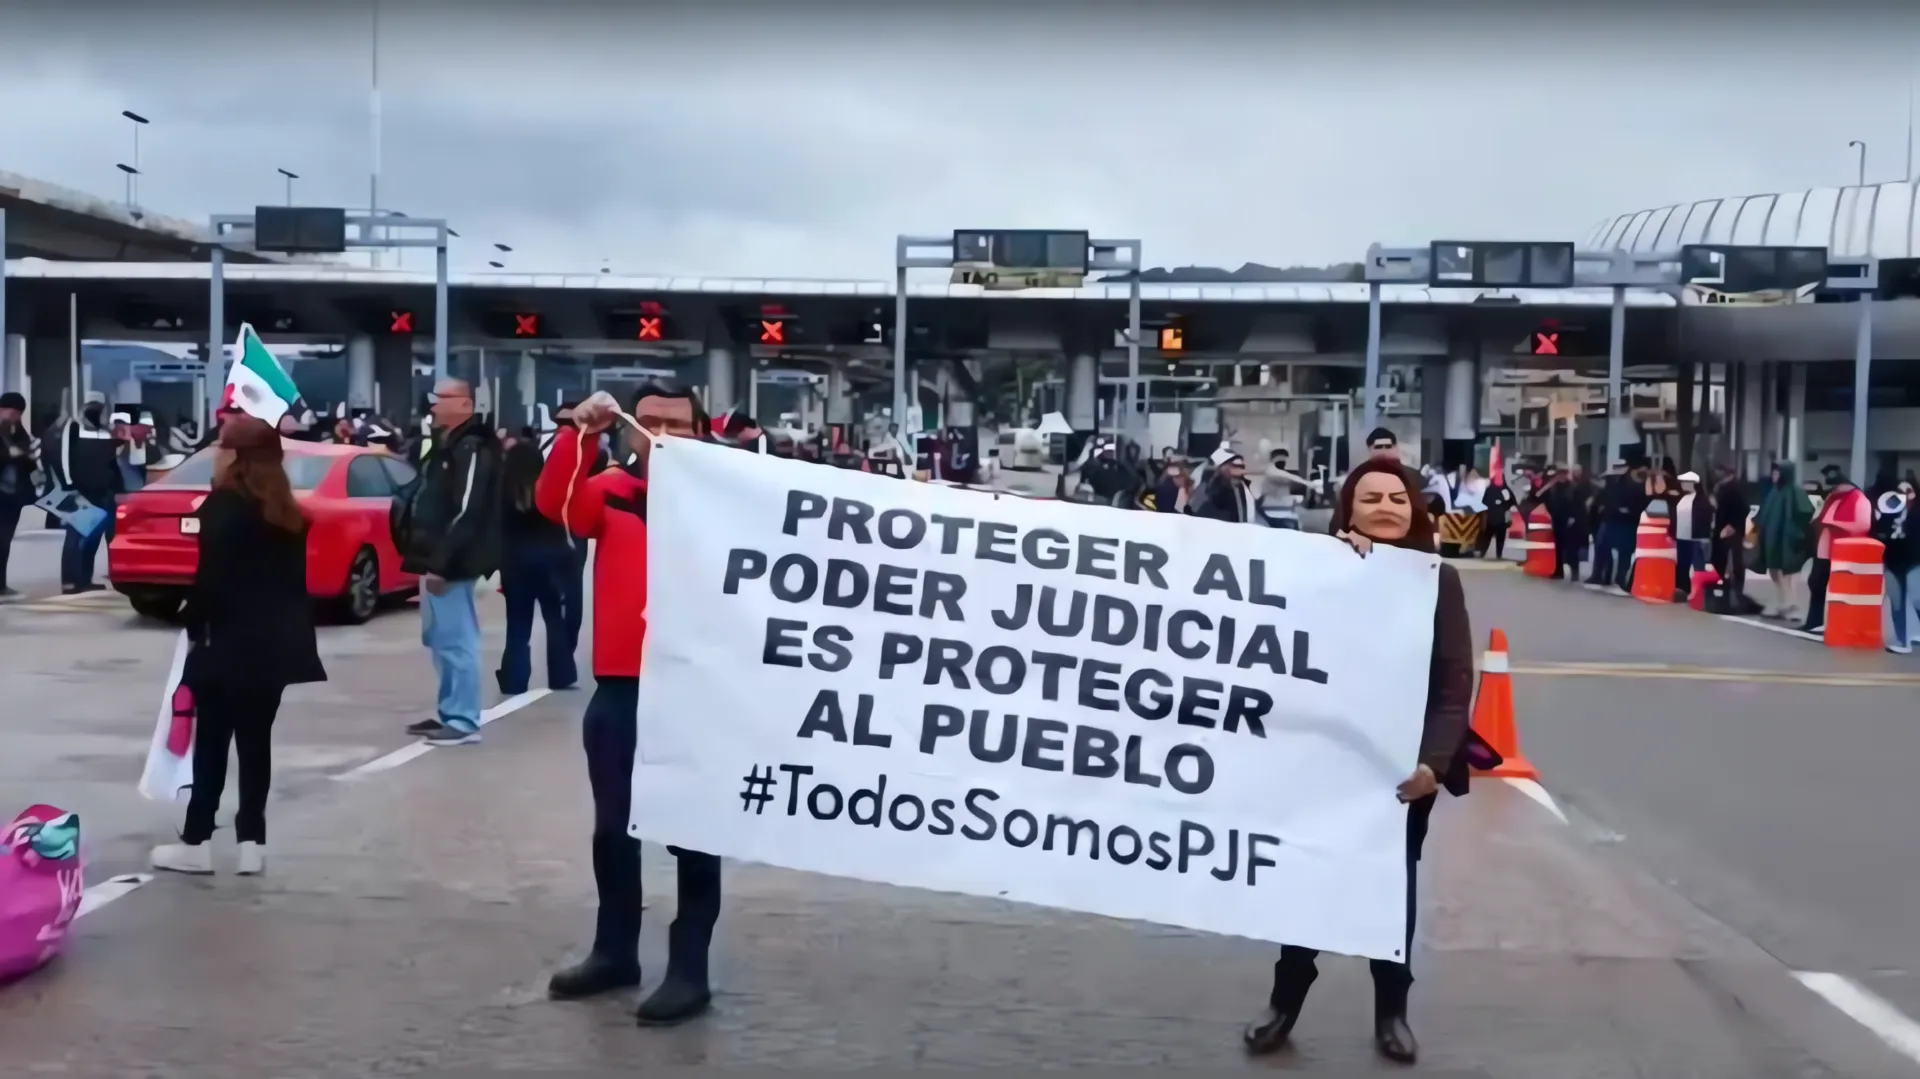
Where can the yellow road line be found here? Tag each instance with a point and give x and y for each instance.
(1867, 679)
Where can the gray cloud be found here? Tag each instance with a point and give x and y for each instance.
(798, 140)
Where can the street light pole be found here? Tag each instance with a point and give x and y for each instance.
(133, 186)
(1862, 147)
(291, 177)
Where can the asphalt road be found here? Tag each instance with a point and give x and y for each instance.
(1761, 788)
(416, 899)
(33, 567)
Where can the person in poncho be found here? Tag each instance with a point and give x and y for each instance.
(1785, 525)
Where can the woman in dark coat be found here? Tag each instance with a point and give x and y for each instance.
(251, 623)
(1381, 503)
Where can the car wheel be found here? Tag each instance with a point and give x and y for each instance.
(362, 597)
(158, 606)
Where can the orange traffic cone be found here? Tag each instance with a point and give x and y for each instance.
(1493, 718)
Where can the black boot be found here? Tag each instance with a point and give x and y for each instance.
(1391, 1034)
(592, 976)
(684, 993)
(1292, 977)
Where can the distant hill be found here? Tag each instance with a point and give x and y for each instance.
(1249, 272)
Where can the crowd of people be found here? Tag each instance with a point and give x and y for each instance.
(1782, 527)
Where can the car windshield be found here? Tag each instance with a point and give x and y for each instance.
(304, 470)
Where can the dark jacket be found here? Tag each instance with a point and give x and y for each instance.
(16, 467)
(85, 457)
(1730, 509)
(1622, 500)
(447, 522)
(249, 614)
(1902, 539)
(1449, 684)
(1223, 500)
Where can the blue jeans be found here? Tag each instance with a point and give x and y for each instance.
(450, 628)
(78, 553)
(536, 577)
(1903, 592)
(1612, 553)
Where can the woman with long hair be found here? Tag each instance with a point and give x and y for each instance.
(1381, 503)
(536, 559)
(251, 625)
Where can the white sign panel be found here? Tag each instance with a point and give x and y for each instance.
(1141, 715)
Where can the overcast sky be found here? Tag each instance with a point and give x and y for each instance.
(734, 139)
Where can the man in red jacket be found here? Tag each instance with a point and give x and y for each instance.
(610, 506)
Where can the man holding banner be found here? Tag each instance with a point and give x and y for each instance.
(610, 507)
(1144, 716)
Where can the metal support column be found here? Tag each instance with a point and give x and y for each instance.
(1371, 387)
(1862, 369)
(1616, 373)
(900, 350)
(440, 309)
(1133, 424)
(216, 332)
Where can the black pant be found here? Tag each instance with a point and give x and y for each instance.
(1296, 969)
(1817, 594)
(243, 717)
(608, 733)
(9, 521)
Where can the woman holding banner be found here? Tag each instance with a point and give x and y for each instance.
(251, 625)
(1381, 503)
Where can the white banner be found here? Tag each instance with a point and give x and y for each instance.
(1141, 715)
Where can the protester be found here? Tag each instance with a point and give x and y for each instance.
(1566, 506)
(448, 531)
(1383, 446)
(1730, 509)
(536, 558)
(1622, 499)
(251, 625)
(18, 463)
(1175, 489)
(1227, 496)
(1895, 526)
(610, 508)
(1380, 504)
(1845, 513)
(1692, 530)
(1784, 527)
(1499, 502)
(84, 457)
(1278, 505)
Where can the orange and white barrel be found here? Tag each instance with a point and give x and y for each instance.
(1542, 559)
(1654, 560)
(1856, 589)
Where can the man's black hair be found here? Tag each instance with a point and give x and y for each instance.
(1381, 434)
(702, 424)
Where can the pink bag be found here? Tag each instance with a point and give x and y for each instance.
(42, 881)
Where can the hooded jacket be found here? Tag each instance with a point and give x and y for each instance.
(1783, 525)
(608, 506)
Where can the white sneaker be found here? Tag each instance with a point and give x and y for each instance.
(195, 858)
(1899, 649)
(253, 859)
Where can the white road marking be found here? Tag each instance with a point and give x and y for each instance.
(1787, 631)
(1535, 791)
(109, 890)
(404, 754)
(1887, 1022)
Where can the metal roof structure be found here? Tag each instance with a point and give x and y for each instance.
(1878, 220)
(1232, 292)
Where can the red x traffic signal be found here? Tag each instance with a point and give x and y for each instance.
(399, 322)
(526, 325)
(1546, 343)
(650, 328)
(773, 332)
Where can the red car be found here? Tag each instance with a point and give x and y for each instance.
(345, 492)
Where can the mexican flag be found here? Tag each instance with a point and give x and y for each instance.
(256, 383)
